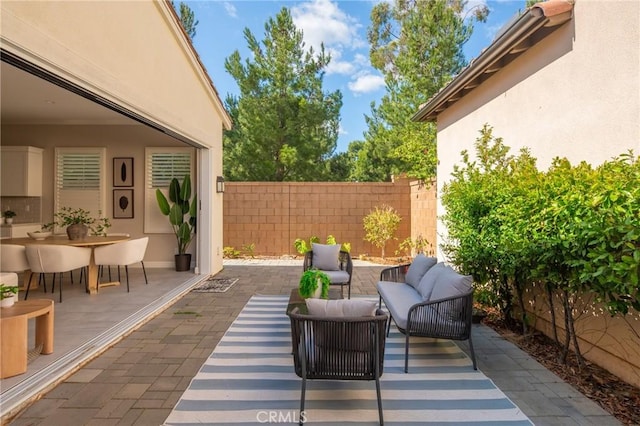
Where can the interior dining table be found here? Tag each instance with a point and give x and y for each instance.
(88, 241)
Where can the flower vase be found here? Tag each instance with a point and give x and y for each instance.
(8, 301)
(77, 231)
(318, 293)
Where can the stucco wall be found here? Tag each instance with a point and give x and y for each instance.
(130, 52)
(272, 215)
(136, 56)
(576, 93)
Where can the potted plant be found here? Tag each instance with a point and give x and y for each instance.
(8, 295)
(181, 210)
(8, 216)
(314, 283)
(78, 223)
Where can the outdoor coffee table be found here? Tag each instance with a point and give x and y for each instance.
(296, 301)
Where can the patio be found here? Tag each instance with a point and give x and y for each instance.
(139, 379)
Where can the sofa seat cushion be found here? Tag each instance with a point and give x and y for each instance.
(398, 298)
(420, 265)
(337, 277)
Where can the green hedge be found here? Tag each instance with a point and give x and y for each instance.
(574, 228)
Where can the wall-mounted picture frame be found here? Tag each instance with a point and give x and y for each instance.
(123, 203)
(123, 171)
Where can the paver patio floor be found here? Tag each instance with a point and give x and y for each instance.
(139, 380)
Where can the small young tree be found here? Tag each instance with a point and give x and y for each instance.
(380, 226)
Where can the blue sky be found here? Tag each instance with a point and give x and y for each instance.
(341, 25)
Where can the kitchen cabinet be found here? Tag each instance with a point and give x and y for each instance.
(21, 174)
(20, 230)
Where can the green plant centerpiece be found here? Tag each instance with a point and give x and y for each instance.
(309, 282)
(181, 210)
(8, 294)
(78, 222)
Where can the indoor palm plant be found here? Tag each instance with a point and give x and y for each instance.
(314, 283)
(181, 210)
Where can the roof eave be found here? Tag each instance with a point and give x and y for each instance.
(516, 39)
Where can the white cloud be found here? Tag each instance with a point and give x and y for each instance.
(366, 83)
(338, 65)
(231, 9)
(322, 21)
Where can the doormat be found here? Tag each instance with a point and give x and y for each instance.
(215, 285)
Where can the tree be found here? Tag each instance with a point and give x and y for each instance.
(417, 45)
(286, 127)
(380, 226)
(188, 19)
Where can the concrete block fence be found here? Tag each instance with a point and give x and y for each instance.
(272, 215)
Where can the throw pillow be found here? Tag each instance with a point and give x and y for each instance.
(450, 283)
(341, 308)
(326, 257)
(420, 265)
(428, 281)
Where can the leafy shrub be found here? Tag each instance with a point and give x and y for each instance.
(230, 253)
(380, 226)
(302, 246)
(249, 249)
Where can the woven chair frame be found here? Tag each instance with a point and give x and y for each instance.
(345, 263)
(434, 318)
(331, 348)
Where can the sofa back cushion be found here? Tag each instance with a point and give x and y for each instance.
(326, 257)
(420, 265)
(450, 283)
(428, 281)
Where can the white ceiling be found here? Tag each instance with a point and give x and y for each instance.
(28, 99)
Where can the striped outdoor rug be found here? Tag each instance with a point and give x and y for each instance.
(249, 379)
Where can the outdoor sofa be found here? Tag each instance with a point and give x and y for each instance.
(428, 299)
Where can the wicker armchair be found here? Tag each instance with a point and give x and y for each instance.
(341, 277)
(448, 318)
(346, 348)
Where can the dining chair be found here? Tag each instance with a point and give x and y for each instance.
(64, 234)
(122, 254)
(114, 234)
(13, 258)
(55, 259)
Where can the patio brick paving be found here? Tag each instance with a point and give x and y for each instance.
(140, 379)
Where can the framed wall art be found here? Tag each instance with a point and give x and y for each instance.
(123, 171)
(123, 203)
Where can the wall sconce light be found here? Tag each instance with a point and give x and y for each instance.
(219, 184)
